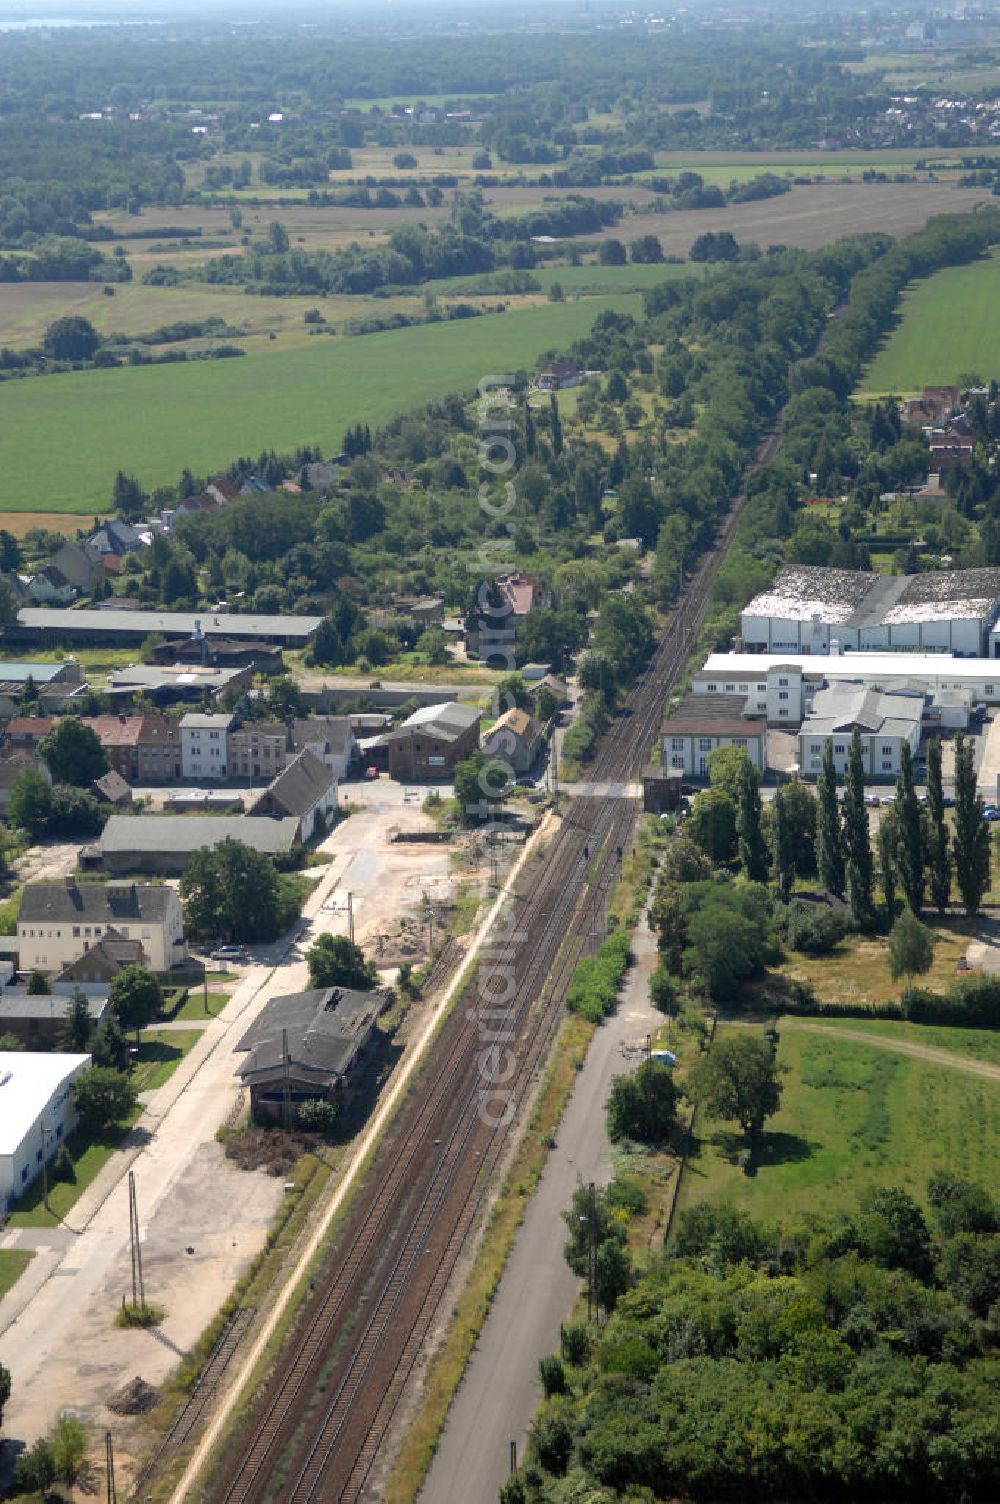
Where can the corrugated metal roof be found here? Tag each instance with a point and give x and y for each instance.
(144, 623)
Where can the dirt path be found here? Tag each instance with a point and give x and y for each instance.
(926, 1052)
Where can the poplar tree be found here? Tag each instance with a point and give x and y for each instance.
(857, 839)
(887, 848)
(829, 838)
(910, 854)
(938, 855)
(782, 847)
(752, 848)
(555, 425)
(972, 834)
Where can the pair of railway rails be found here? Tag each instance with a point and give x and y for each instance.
(320, 1421)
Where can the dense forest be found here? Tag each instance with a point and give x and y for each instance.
(846, 1359)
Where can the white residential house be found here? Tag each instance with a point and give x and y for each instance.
(58, 922)
(205, 746)
(884, 722)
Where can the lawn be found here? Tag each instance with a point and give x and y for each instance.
(160, 1053)
(90, 1154)
(858, 970)
(852, 1116)
(978, 1044)
(13, 1262)
(65, 436)
(193, 1008)
(950, 327)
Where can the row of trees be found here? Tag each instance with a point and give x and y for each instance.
(917, 855)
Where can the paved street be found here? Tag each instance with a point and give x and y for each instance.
(500, 1391)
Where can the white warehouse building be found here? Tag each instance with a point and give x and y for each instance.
(36, 1114)
(781, 686)
(808, 609)
(884, 722)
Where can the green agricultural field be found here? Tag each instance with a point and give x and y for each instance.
(950, 327)
(65, 436)
(852, 1116)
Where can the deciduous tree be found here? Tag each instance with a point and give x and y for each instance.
(738, 1078)
(911, 946)
(335, 961)
(104, 1097)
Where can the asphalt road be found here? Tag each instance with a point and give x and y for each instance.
(500, 1390)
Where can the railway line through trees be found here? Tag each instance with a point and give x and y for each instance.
(322, 1416)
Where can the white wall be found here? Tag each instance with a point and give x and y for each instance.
(690, 754)
(203, 754)
(51, 945)
(19, 1169)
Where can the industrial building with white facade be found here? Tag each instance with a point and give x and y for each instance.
(37, 1113)
(808, 609)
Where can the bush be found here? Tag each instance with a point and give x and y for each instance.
(552, 1375)
(593, 991)
(627, 1195)
(317, 1116)
(574, 1343)
(35, 1470)
(813, 928)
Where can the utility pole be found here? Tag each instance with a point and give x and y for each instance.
(138, 1288)
(109, 1462)
(350, 917)
(513, 1459)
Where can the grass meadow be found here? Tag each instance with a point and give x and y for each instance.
(852, 1116)
(949, 327)
(65, 436)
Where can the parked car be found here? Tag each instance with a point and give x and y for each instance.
(228, 953)
(371, 773)
(871, 799)
(888, 798)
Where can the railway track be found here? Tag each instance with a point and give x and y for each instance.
(315, 1432)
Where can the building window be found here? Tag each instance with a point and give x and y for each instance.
(677, 744)
(739, 741)
(711, 688)
(782, 694)
(886, 751)
(783, 710)
(76, 932)
(704, 744)
(839, 747)
(677, 762)
(886, 765)
(782, 682)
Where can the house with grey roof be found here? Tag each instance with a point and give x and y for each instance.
(305, 791)
(307, 1046)
(809, 609)
(328, 737)
(58, 922)
(701, 724)
(884, 722)
(164, 844)
(430, 742)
